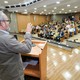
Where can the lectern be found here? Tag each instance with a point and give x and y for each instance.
(39, 51)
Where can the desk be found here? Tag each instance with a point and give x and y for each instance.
(40, 52)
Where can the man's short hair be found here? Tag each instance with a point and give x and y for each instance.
(4, 12)
(1, 16)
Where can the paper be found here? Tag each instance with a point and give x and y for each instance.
(25, 64)
(31, 62)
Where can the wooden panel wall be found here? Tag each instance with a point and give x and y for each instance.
(34, 19)
(77, 16)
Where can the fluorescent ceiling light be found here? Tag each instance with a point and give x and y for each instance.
(57, 2)
(55, 7)
(25, 10)
(49, 13)
(46, 13)
(62, 9)
(68, 5)
(45, 10)
(44, 6)
(75, 11)
(65, 12)
(35, 11)
(76, 7)
(52, 10)
(35, 8)
(42, 12)
(69, 10)
(16, 11)
(59, 11)
(5, 2)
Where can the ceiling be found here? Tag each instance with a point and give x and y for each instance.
(42, 6)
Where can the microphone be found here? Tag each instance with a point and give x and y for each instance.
(33, 45)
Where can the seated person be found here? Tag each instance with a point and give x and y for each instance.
(71, 30)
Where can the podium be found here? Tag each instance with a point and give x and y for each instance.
(39, 51)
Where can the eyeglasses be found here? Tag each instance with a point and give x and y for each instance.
(6, 20)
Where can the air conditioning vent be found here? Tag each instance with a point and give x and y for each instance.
(6, 6)
(34, 1)
(23, 5)
(12, 6)
(30, 2)
(17, 5)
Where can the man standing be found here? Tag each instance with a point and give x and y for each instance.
(10, 60)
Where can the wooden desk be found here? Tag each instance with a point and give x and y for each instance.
(40, 52)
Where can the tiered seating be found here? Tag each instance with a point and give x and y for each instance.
(57, 31)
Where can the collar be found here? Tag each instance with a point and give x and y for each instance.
(6, 32)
